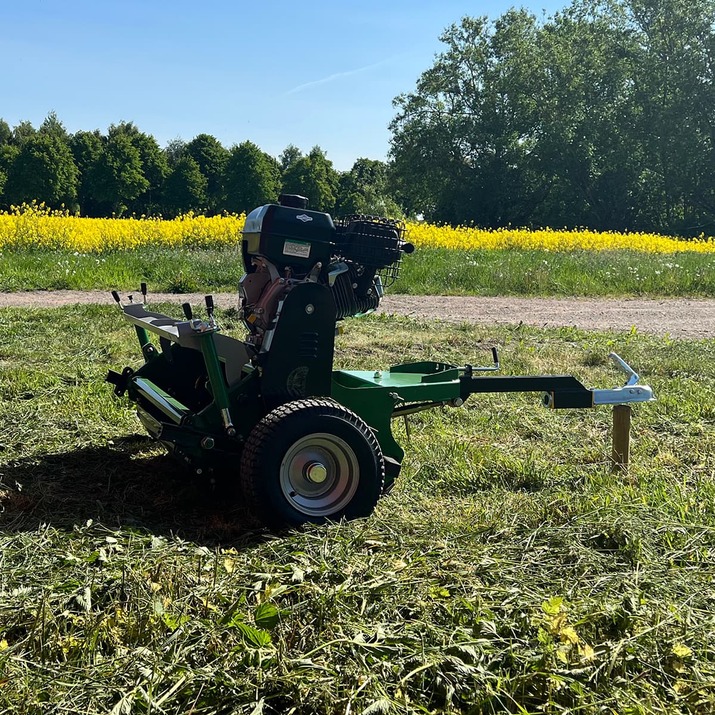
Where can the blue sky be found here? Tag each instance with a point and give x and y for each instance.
(277, 73)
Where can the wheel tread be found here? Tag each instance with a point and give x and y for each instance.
(266, 428)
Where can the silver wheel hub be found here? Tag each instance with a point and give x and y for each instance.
(319, 474)
(316, 473)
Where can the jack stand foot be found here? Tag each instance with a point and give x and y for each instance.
(621, 438)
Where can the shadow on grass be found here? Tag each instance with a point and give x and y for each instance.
(119, 486)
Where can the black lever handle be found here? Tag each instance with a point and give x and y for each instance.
(186, 307)
(209, 304)
(143, 290)
(115, 295)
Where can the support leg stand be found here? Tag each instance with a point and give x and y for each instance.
(621, 438)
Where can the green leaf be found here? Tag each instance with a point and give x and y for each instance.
(266, 615)
(681, 650)
(252, 636)
(172, 622)
(553, 606)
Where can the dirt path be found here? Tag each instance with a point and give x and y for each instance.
(678, 317)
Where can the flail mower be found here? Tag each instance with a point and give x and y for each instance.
(307, 443)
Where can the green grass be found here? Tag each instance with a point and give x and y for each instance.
(509, 570)
(427, 272)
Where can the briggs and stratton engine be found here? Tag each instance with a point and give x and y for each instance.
(285, 245)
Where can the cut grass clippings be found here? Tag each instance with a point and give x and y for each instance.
(508, 571)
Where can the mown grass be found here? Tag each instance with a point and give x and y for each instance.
(509, 570)
(426, 272)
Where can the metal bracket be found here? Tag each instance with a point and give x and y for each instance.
(629, 393)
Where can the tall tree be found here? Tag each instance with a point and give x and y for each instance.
(211, 157)
(118, 175)
(364, 190)
(313, 176)
(462, 141)
(174, 150)
(185, 189)
(86, 149)
(674, 80)
(289, 156)
(5, 132)
(251, 178)
(154, 166)
(599, 116)
(52, 126)
(587, 151)
(43, 170)
(7, 155)
(22, 132)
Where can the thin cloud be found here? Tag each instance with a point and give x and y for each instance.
(333, 77)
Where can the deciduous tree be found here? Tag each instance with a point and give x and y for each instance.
(251, 178)
(43, 169)
(313, 176)
(365, 190)
(185, 188)
(118, 176)
(462, 141)
(211, 157)
(154, 166)
(86, 149)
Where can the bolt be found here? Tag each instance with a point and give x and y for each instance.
(316, 473)
(310, 309)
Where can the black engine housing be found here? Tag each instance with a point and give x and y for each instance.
(356, 257)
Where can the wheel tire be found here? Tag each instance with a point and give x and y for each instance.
(311, 461)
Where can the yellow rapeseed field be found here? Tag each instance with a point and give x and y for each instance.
(464, 237)
(36, 227)
(33, 227)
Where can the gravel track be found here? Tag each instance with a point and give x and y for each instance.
(677, 317)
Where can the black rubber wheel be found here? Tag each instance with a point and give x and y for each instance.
(311, 461)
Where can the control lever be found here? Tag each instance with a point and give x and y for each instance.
(116, 297)
(210, 305)
(490, 368)
(623, 366)
(143, 290)
(188, 313)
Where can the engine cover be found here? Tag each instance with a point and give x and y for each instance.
(288, 237)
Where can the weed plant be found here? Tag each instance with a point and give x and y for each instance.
(508, 571)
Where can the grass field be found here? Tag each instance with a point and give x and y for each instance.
(509, 570)
(428, 271)
(45, 250)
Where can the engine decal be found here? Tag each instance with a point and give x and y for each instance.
(299, 249)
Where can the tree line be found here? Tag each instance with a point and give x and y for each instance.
(125, 172)
(601, 116)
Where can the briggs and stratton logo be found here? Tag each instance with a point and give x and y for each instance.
(304, 218)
